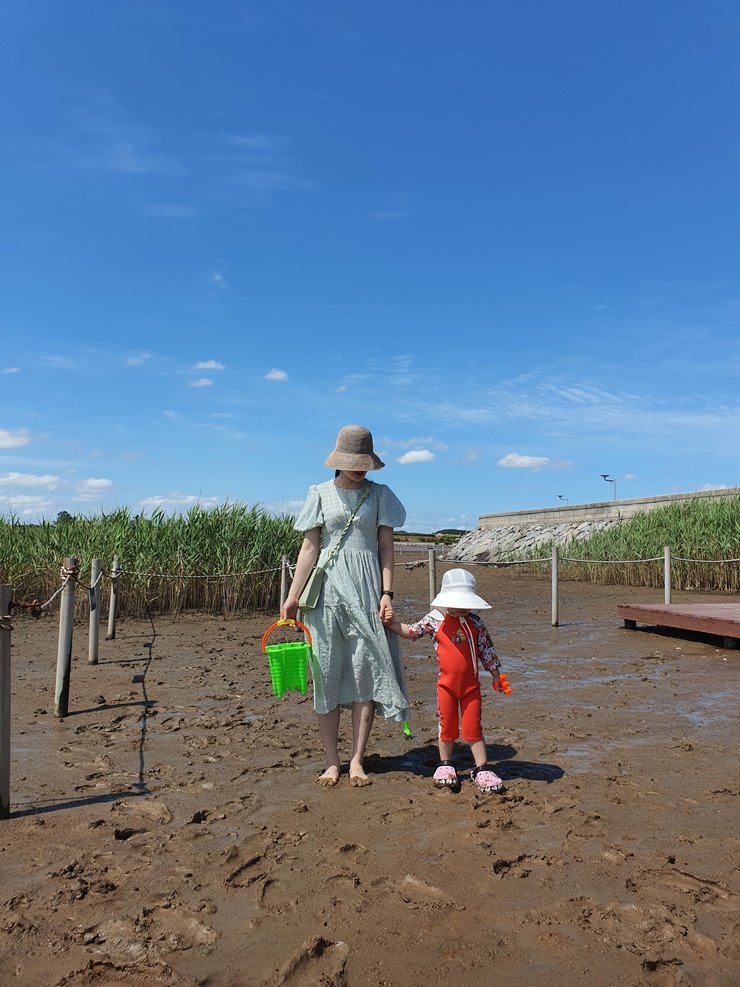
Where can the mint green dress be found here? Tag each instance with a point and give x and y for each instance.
(355, 659)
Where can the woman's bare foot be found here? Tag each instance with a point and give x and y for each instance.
(357, 776)
(330, 777)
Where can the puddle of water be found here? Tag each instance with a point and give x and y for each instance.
(715, 707)
(586, 757)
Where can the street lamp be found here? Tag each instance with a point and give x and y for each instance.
(605, 476)
(561, 497)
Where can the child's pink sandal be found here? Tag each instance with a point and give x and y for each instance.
(445, 776)
(486, 780)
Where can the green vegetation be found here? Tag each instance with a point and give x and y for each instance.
(701, 530)
(160, 554)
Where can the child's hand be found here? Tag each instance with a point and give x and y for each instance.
(499, 683)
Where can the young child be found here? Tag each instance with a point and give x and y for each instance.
(461, 642)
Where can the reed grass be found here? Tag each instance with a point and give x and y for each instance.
(222, 560)
(705, 532)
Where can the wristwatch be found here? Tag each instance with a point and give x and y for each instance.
(387, 592)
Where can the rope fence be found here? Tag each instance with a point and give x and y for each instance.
(70, 578)
(70, 573)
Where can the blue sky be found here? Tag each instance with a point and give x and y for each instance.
(502, 236)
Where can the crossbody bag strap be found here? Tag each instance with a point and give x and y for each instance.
(345, 529)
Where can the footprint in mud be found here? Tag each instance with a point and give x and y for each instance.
(151, 809)
(638, 930)
(248, 861)
(84, 758)
(106, 972)
(402, 814)
(275, 897)
(703, 891)
(417, 894)
(550, 806)
(174, 927)
(351, 848)
(340, 884)
(318, 961)
(590, 826)
(513, 867)
(522, 864)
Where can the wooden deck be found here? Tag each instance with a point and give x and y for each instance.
(720, 619)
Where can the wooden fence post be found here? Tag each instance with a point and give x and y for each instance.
(4, 702)
(666, 574)
(64, 647)
(115, 577)
(96, 569)
(432, 574)
(555, 601)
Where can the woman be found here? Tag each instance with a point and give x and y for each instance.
(357, 662)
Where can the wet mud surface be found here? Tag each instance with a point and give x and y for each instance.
(169, 829)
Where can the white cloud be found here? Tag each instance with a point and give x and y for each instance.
(514, 461)
(11, 370)
(29, 505)
(715, 486)
(14, 438)
(415, 456)
(175, 500)
(209, 365)
(59, 361)
(285, 507)
(276, 375)
(341, 389)
(124, 148)
(416, 442)
(560, 406)
(218, 280)
(201, 382)
(136, 361)
(28, 480)
(92, 487)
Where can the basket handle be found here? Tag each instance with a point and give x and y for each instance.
(285, 623)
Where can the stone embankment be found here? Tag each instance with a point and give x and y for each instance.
(514, 541)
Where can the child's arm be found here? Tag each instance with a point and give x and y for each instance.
(488, 656)
(414, 631)
(403, 630)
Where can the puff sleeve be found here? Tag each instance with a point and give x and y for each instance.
(311, 515)
(391, 511)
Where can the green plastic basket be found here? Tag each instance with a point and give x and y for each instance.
(289, 661)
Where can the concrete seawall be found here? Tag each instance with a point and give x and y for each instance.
(513, 533)
(618, 510)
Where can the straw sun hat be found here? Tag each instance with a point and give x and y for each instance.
(458, 592)
(354, 450)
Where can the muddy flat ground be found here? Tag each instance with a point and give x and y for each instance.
(169, 829)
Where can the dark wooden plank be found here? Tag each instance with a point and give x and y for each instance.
(720, 619)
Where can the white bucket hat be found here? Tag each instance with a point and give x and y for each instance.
(458, 592)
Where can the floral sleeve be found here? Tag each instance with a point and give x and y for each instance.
(427, 625)
(486, 650)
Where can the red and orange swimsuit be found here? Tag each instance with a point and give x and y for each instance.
(461, 644)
